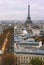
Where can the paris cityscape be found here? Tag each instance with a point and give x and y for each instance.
(22, 41)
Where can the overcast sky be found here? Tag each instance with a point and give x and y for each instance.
(17, 9)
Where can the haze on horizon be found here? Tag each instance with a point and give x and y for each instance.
(17, 9)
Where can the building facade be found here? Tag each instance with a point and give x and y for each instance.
(24, 59)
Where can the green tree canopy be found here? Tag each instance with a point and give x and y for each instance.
(36, 61)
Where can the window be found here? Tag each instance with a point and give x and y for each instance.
(18, 57)
(29, 57)
(24, 60)
(21, 57)
(26, 57)
(41, 58)
(32, 57)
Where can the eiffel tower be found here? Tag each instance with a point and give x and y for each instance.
(28, 20)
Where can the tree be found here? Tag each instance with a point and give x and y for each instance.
(43, 41)
(43, 63)
(9, 59)
(36, 61)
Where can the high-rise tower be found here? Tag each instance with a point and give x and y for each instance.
(28, 20)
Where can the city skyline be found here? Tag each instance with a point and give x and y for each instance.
(18, 9)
